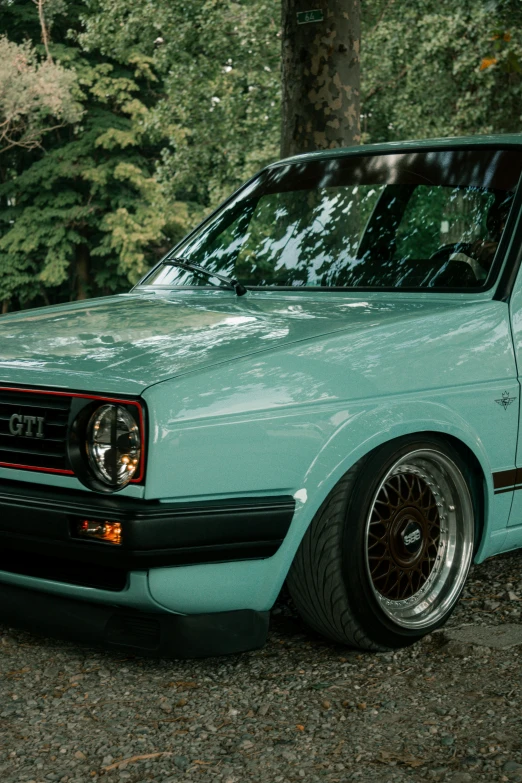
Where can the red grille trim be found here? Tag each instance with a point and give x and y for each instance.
(101, 398)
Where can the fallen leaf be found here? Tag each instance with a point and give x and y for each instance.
(487, 62)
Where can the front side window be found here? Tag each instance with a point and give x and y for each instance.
(412, 221)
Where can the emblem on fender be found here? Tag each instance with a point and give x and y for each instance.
(505, 400)
(29, 426)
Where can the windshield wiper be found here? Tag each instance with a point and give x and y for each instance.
(230, 282)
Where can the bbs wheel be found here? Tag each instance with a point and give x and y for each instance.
(387, 555)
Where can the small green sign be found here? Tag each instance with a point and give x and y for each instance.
(303, 17)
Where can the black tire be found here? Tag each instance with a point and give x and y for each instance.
(338, 579)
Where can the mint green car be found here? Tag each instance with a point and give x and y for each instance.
(320, 385)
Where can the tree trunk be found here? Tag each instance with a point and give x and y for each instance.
(321, 75)
(83, 272)
(5, 306)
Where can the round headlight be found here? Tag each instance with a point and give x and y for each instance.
(113, 445)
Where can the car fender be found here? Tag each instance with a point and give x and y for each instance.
(387, 421)
(256, 584)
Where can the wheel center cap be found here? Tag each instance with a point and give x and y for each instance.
(412, 537)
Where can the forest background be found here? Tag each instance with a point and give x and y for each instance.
(124, 122)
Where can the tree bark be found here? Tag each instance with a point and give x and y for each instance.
(321, 76)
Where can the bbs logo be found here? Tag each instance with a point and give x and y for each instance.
(411, 538)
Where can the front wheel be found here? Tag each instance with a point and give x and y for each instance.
(387, 555)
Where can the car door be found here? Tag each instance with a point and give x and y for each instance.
(509, 402)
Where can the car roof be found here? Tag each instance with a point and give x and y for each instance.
(499, 141)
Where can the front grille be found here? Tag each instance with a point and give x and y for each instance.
(61, 569)
(40, 420)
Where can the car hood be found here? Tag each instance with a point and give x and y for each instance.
(123, 344)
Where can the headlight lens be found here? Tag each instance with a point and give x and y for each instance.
(113, 445)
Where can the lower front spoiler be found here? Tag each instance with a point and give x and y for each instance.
(158, 635)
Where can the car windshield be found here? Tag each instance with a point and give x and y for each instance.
(411, 221)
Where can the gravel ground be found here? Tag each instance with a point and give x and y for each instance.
(299, 709)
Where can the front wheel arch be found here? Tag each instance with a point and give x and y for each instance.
(478, 484)
(326, 579)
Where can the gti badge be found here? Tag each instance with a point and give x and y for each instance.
(30, 426)
(505, 400)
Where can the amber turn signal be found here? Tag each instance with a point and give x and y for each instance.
(110, 532)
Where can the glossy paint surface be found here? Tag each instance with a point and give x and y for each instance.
(280, 393)
(124, 344)
(287, 392)
(296, 418)
(513, 536)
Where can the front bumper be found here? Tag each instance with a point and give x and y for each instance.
(38, 524)
(146, 633)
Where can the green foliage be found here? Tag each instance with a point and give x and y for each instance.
(438, 68)
(85, 215)
(429, 68)
(220, 68)
(35, 97)
(180, 104)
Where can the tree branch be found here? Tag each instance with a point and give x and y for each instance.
(45, 33)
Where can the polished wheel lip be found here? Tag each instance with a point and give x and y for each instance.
(429, 605)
